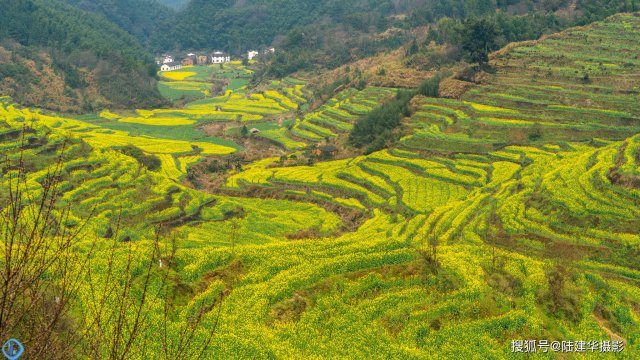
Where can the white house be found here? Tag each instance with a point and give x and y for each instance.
(167, 59)
(171, 66)
(218, 57)
(251, 54)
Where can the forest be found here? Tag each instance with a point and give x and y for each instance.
(84, 59)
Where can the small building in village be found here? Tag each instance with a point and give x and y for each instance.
(251, 54)
(219, 57)
(167, 62)
(202, 59)
(326, 151)
(171, 66)
(190, 60)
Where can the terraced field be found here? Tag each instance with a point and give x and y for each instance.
(180, 150)
(335, 117)
(574, 86)
(175, 133)
(101, 182)
(512, 213)
(381, 179)
(524, 178)
(194, 82)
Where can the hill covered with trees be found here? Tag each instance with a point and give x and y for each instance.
(236, 25)
(176, 4)
(59, 57)
(327, 34)
(140, 18)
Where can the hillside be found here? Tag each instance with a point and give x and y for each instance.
(194, 26)
(176, 4)
(312, 35)
(58, 57)
(140, 18)
(507, 210)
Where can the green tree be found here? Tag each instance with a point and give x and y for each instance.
(244, 131)
(478, 38)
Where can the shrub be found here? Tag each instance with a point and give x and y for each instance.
(376, 129)
(151, 162)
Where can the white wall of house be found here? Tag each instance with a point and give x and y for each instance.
(168, 67)
(252, 54)
(220, 59)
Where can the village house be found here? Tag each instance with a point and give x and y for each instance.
(190, 60)
(167, 59)
(203, 59)
(171, 66)
(251, 54)
(326, 151)
(219, 57)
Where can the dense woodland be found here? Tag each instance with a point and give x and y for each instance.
(82, 59)
(140, 18)
(176, 4)
(327, 34)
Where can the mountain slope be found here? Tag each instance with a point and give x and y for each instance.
(139, 18)
(235, 25)
(176, 4)
(59, 57)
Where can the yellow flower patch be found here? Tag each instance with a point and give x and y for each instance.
(489, 108)
(177, 75)
(161, 121)
(106, 114)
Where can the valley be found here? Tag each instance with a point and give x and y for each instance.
(508, 210)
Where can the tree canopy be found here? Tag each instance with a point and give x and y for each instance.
(478, 38)
(83, 50)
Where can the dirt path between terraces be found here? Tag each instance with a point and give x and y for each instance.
(609, 332)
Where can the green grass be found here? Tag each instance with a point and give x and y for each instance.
(187, 133)
(175, 92)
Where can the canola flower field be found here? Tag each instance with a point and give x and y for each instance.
(512, 213)
(173, 133)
